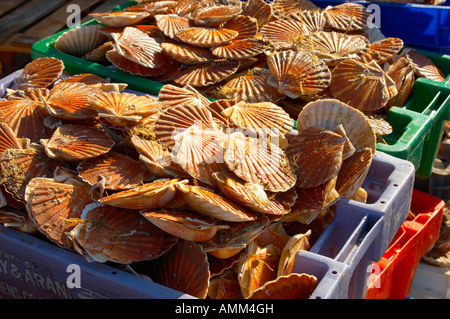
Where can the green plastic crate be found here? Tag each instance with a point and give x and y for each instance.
(418, 125)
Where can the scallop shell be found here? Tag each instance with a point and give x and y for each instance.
(8, 139)
(240, 49)
(39, 73)
(292, 286)
(214, 16)
(26, 118)
(184, 224)
(274, 234)
(265, 164)
(383, 50)
(333, 47)
(99, 54)
(423, 66)
(147, 196)
(246, 27)
(329, 113)
(134, 68)
(198, 154)
(114, 170)
(349, 149)
(284, 33)
(225, 286)
(187, 54)
(70, 101)
(185, 8)
(174, 95)
(207, 73)
(363, 86)
(119, 18)
(380, 125)
(298, 73)
(313, 20)
(346, 16)
(284, 8)
(176, 119)
(138, 47)
(56, 206)
(75, 142)
(265, 116)
(153, 8)
(295, 243)
(251, 87)
(257, 266)
(216, 109)
(353, 172)
(206, 37)
(80, 40)
(118, 235)
(91, 79)
(230, 242)
(170, 24)
(213, 205)
(402, 73)
(258, 9)
(17, 219)
(183, 268)
(317, 155)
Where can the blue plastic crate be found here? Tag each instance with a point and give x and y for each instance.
(421, 26)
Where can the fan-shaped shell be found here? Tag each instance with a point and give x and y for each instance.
(118, 235)
(295, 243)
(284, 8)
(380, 125)
(55, 205)
(113, 170)
(224, 286)
(263, 116)
(346, 16)
(363, 86)
(99, 54)
(423, 66)
(251, 87)
(8, 139)
(298, 73)
(313, 20)
(207, 73)
(292, 286)
(274, 234)
(240, 49)
(80, 40)
(119, 18)
(185, 8)
(184, 224)
(258, 9)
(284, 33)
(153, 8)
(174, 95)
(75, 142)
(39, 73)
(183, 268)
(206, 37)
(402, 73)
(216, 109)
(17, 219)
(215, 15)
(260, 163)
(170, 24)
(246, 27)
(329, 113)
(333, 47)
(187, 54)
(383, 50)
(214, 205)
(317, 154)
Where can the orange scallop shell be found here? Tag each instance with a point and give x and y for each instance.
(54, 206)
(184, 224)
(346, 16)
(284, 8)
(215, 15)
(240, 49)
(216, 109)
(17, 219)
(206, 37)
(383, 50)
(75, 142)
(295, 243)
(206, 73)
(174, 95)
(313, 20)
(380, 125)
(153, 7)
(119, 235)
(183, 268)
(258, 9)
(225, 286)
(80, 40)
(246, 27)
(115, 171)
(99, 54)
(274, 234)
(402, 73)
(39, 73)
(423, 66)
(8, 139)
(90, 79)
(170, 24)
(185, 8)
(298, 73)
(119, 18)
(292, 286)
(187, 54)
(284, 33)
(349, 149)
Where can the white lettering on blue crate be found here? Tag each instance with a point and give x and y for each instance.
(374, 19)
(74, 279)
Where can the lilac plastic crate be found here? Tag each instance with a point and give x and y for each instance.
(341, 257)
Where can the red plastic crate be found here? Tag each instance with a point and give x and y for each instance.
(393, 275)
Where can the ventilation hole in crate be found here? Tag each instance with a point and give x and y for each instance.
(395, 185)
(382, 202)
(318, 297)
(114, 272)
(334, 272)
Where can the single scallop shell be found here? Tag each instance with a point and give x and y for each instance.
(317, 155)
(329, 113)
(118, 235)
(379, 125)
(246, 27)
(284, 33)
(213, 16)
(298, 73)
(402, 73)
(423, 66)
(75, 142)
(183, 268)
(119, 18)
(174, 95)
(363, 86)
(295, 243)
(216, 109)
(184, 224)
(240, 49)
(214, 205)
(349, 149)
(251, 87)
(284, 8)
(39, 73)
(258, 9)
(333, 47)
(257, 266)
(153, 7)
(92, 79)
(17, 219)
(170, 24)
(56, 206)
(383, 50)
(265, 116)
(206, 37)
(274, 234)
(224, 286)
(8, 139)
(260, 163)
(206, 73)
(99, 54)
(115, 171)
(187, 54)
(346, 16)
(292, 286)
(313, 20)
(80, 40)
